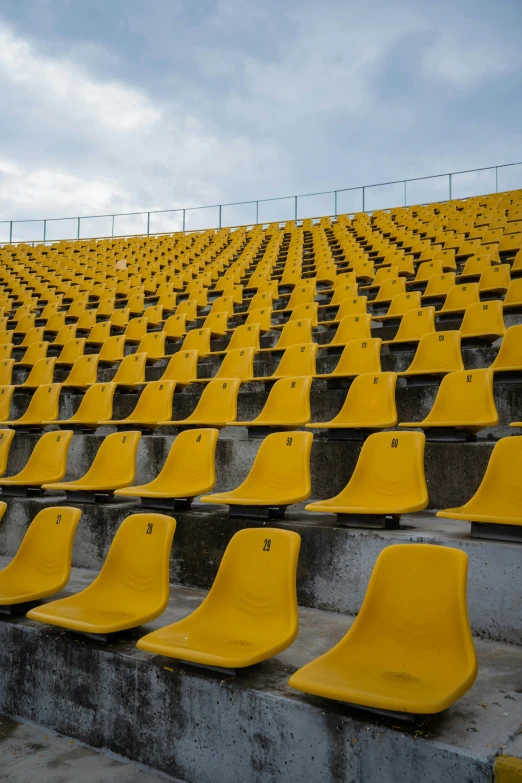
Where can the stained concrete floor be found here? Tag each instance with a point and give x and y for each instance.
(29, 754)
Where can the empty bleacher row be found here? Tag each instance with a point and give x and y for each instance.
(371, 305)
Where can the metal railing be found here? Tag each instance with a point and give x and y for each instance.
(342, 200)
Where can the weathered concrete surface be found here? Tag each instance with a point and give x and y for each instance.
(334, 564)
(30, 754)
(201, 727)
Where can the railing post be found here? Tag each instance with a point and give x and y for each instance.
(295, 207)
(363, 199)
(45, 230)
(335, 203)
(496, 179)
(112, 227)
(10, 232)
(183, 220)
(78, 231)
(405, 198)
(219, 226)
(449, 176)
(257, 212)
(148, 223)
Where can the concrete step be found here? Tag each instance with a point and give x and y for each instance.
(335, 563)
(200, 726)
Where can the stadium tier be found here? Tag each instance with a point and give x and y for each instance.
(353, 382)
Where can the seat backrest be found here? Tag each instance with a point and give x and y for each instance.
(67, 332)
(84, 371)
(136, 329)
(416, 601)
(465, 396)
(245, 336)
(223, 304)
(427, 269)
(438, 285)
(352, 305)
(6, 393)
(401, 303)
(71, 351)
(353, 327)
(113, 349)
(218, 403)
(191, 460)
(41, 372)
(344, 292)
(385, 273)
(495, 278)
(460, 296)
(256, 582)
(370, 401)
(189, 307)
(302, 294)
(297, 360)
(238, 363)
(415, 323)
(217, 322)
(182, 367)
(389, 288)
(260, 300)
(115, 462)
(132, 368)
(44, 404)
(96, 404)
(120, 317)
(154, 403)
(476, 264)
(55, 322)
(307, 310)
(34, 353)
(154, 314)
(483, 319)
(99, 333)
(48, 459)
(261, 316)
(6, 371)
(509, 356)
(175, 326)
(197, 340)
(281, 468)
(45, 554)
(136, 570)
(501, 481)
(514, 293)
(295, 332)
(6, 438)
(153, 344)
(360, 356)
(438, 352)
(288, 402)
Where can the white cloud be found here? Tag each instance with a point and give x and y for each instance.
(469, 62)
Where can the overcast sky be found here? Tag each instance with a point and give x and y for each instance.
(120, 105)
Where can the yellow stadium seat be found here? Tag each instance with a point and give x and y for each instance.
(132, 587)
(358, 357)
(33, 353)
(365, 271)
(495, 279)
(342, 292)
(55, 322)
(95, 408)
(464, 403)
(410, 650)
(154, 405)
(47, 462)
(189, 308)
(197, 340)
(244, 336)
(299, 313)
(71, 351)
(301, 294)
(399, 305)
(42, 565)
(388, 289)
(297, 360)
(216, 323)
(388, 481)
(369, 405)
(131, 370)
(6, 344)
(383, 273)
(509, 357)
(83, 373)
(459, 297)
(42, 372)
(293, 332)
(6, 371)
(99, 333)
(120, 319)
(438, 353)
(229, 630)
(475, 265)
(25, 323)
(189, 471)
(112, 350)
(216, 407)
(6, 393)
(154, 315)
(182, 368)
(135, 330)
(484, 321)
(153, 346)
(6, 438)
(351, 306)
(414, 325)
(279, 477)
(42, 409)
(86, 321)
(513, 298)
(65, 334)
(113, 467)
(426, 270)
(35, 335)
(5, 351)
(175, 327)
(351, 327)
(287, 406)
(495, 510)
(439, 285)
(238, 363)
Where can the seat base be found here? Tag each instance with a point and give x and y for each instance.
(19, 491)
(372, 521)
(83, 496)
(167, 504)
(257, 512)
(349, 434)
(406, 717)
(218, 669)
(448, 435)
(496, 532)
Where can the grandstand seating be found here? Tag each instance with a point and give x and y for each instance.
(47, 462)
